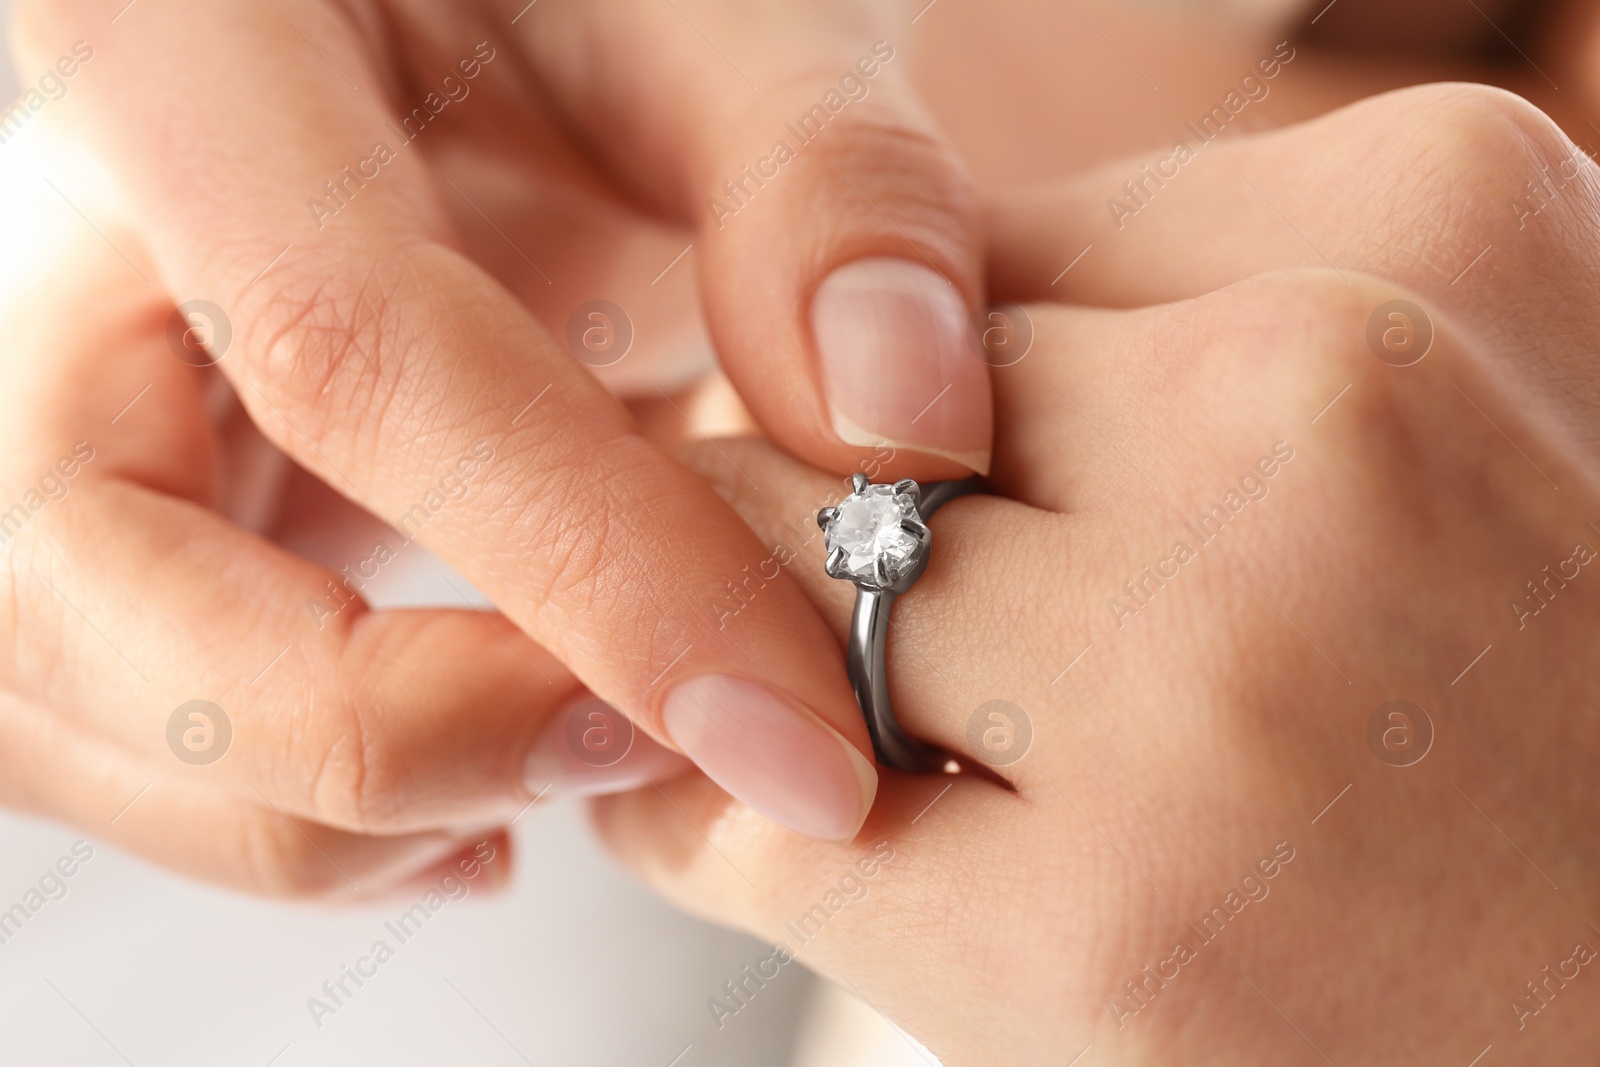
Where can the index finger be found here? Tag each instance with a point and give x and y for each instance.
(383, 360)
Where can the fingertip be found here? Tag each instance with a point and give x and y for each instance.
(772, 753)
(482, 863)
(873, 234)
(898, 368)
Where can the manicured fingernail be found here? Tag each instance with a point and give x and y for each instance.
(892, 336)
(773, 754)
(592, 748)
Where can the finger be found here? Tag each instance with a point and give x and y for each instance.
(372, 721)
(1167, 448)
(837, 241)
(286, 650)
(63, 771)
(1245, 362)
(390, 366)
(957, 611)
(1464, 194)
(836, 907)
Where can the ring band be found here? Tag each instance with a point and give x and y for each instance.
(878, 539)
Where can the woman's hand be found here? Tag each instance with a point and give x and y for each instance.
(375, 194)
(205, 696)
(1326, 443)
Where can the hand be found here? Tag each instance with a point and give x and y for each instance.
(200, 694)
(1236, 530)
(378, 299)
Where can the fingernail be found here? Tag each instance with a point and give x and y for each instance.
(892, 336)
(773, 754)
(482, 865)
(592, 748)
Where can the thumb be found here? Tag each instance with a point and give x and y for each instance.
(838, 239)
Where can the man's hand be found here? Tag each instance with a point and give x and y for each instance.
(1283, 641)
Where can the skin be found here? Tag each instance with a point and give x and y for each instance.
(335, 330)
(154, 518)
(401, 332)
(1216, 723)
(1420, 523)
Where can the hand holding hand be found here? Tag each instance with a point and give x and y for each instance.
(377, 193)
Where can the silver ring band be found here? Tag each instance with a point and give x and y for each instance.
(877, 538)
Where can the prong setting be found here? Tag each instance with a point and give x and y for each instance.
(875, 537)
(879, 540)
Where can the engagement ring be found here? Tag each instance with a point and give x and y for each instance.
(877, 538)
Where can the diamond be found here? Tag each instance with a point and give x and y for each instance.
(870, 529)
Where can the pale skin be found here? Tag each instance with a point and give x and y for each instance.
(1202, 733)
(378, 345)
(405, 775)
(1213, 723)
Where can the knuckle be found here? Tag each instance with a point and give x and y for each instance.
(1358, 331)
(37, 623)
(1320, 316)
(326, 355)
(908, 162)
(333, 762)
(1277, 331)
(353, 784)
(1468, 124)
(1492, 157)
(879, 179)
(361, 753)
(1313, 303)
